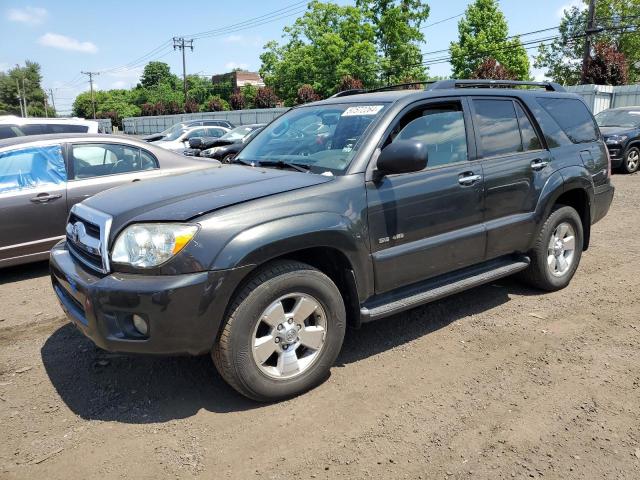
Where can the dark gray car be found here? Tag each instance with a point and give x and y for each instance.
(42, 177)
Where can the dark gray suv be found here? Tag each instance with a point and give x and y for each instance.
(405, 197)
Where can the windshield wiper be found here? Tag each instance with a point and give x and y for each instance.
(243, 162)
(282, 164)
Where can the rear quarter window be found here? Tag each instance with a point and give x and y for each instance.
(573, 116)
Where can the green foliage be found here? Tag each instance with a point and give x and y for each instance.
(114, 104)
(35, 95)
(482, 34)
(249, 93)
(215, 104)
(155, 73)
(398, 36)
(562, 58)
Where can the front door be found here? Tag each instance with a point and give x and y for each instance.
(426, 223)
(32, 200)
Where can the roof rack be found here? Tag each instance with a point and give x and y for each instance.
(346, 93)
(386, 88)
(449, 84)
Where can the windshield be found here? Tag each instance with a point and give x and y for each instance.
(175, 134)
(321, 138)
(619, 118)
(237, 133)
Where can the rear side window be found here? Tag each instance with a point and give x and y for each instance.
(61, 128)
(573, 117)
(497, 127)
(98, 159)
(10, 131)
(530, 140)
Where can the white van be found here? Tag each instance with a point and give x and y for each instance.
(12, 126)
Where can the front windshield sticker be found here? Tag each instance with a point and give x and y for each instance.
(634, 113)
(362, 110)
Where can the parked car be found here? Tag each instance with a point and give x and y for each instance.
(42, 177)
(229, 146)
(179, 140)
(187, 124)
(621, 130)
(414, 195)
(12, 126)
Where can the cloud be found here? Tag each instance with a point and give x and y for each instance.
(63, 42)
(4, 66)
(232, 65)
(254, 41)
(573, 3)
(28, 15)
(233, 39)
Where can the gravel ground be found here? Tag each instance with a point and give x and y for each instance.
(499, 382)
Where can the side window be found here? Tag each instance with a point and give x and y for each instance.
(441, 127)
(33, 129)
(96, 160)
(198, 132)
(31, 167)
(214, 132)
(573, 117)
(530, 140)
(61, 128)
(497, 127)
(147, 161)
(10, 131)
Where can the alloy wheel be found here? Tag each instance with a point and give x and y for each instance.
(561, 249)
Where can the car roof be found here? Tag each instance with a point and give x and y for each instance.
(622, 109)
(13, 120)
(69, 137)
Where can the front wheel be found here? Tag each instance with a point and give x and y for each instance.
(556, 254)
(631, 160)
(282, 333)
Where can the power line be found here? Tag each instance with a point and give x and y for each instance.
(441, 21)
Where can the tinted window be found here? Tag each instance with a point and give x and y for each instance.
(497, 127)
(530, 140)
(31, 167)
(96, 160)
(61, 128)
(199, 132)
(573, 117)
(9, 131)
(214, 132)
(33, 129)
(441, 128)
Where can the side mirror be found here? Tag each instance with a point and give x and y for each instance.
(402, 156)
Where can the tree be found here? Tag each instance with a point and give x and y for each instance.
(266, 98)
(237, 101)
(607, 67)
(155, 73)
(306, 94)
(398, 36)
(562, 58)
(216, 104)
(349, 83)
(29, 80)
(482, 34)
(326, 43)
(249, 92)
(191, 106)
(491, 69)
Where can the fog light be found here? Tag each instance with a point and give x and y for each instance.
(141, 325)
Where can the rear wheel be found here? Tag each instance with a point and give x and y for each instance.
(556, 254)
(283, 332)
(631, 160)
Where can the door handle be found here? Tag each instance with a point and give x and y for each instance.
(538, 164)
(468, 178)
(45, 197)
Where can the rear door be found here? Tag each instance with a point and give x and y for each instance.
(516, 167)
(95, 167)
(32, 200)
(427, 223)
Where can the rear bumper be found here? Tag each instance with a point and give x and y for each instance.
(183, 312)
(603, 196)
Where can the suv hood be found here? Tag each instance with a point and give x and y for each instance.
(185, 196)
(608, 131)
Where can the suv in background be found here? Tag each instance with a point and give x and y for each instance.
(406, 197)
(621, 130)
(188, 124)
(12, 126)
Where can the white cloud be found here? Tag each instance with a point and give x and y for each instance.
(251, 41)
(233, 39)
(28, 15)
(119, 84)
(232, 65)
(573, 3)
(63, 42)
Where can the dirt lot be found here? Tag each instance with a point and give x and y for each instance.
(499, 382)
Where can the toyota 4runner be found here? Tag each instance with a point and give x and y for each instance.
(339, 212)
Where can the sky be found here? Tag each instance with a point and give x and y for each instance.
(118, 38)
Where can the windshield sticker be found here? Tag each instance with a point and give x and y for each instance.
(634, 113)
(362, 110)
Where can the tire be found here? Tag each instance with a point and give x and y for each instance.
(631, 160)
(545, 273)
(254, 316)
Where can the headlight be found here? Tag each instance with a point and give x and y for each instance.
(211, 151)
(151, 244)
(616, 139)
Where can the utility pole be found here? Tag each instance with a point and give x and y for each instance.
(181, 43)
(53, 103)
(24, 99)
(587, 42)
(19, 98)
(93, 102)
(46, 109)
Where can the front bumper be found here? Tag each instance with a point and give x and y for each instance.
(616, 152)
(183, 312)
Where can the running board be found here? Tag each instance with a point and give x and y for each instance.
(442, 286)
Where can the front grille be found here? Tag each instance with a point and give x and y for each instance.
(87, 232)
